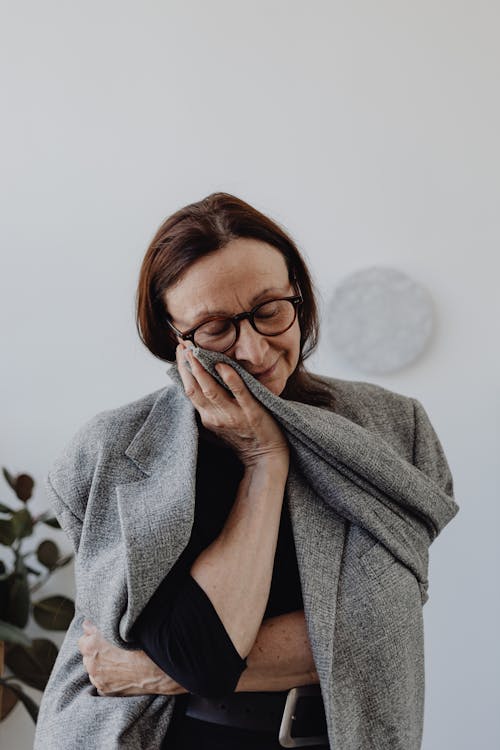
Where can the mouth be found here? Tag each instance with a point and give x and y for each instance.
(265, 373)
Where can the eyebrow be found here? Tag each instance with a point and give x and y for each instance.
(203, 316)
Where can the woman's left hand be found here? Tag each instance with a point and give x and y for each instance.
(118, 671)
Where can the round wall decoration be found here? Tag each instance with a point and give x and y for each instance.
(379, 319)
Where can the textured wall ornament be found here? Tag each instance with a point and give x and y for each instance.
(379, 319)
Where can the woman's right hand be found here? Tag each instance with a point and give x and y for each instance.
(241, 422)
(117, 671)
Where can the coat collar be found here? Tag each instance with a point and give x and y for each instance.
(152, 448)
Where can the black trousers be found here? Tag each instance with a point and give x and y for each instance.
(186, 733)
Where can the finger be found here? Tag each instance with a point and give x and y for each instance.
(188, 380)
(89, 637)
(212, 390)
(206, 388)
(237, 385)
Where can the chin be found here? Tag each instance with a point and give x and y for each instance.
(277, 390)
(278, 386)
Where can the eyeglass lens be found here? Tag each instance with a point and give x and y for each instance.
(270, 318)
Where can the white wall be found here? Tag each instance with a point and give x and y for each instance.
(370, 130)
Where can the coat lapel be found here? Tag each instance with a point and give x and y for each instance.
(156, 513)
(319, 534)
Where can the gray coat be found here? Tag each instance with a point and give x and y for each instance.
(369, 488)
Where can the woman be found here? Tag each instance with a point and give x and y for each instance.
(220, 622)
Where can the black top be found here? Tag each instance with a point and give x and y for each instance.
(179, 628)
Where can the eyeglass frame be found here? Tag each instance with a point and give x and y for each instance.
(296, 300)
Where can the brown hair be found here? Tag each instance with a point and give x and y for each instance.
(202, 228)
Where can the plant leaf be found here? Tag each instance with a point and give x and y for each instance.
(32, 664)
(12, 634)
(9, 700)
(7, 532)
(32, 570)
(5, 509)
(54, 612)
(64, 560)
(48, 553)
(24, 487)
(9, 478)
(19, 600)
(8, 705)
(4, 589)
(51, 522)
(22, 523)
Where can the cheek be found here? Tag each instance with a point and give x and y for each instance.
(289, 344)
(293, 342)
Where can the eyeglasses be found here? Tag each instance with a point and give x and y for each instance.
(270, 318)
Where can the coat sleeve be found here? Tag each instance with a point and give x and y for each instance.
(69, 522)
(428, 453)
(72, 713)
(429, 457)
(68, 482)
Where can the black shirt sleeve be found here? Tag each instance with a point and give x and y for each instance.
(184, 635)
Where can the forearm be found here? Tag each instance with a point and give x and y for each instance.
(281, 656)
(235, 571)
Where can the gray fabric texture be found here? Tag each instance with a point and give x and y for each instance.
(368, 490)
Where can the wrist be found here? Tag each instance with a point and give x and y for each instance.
(277, 463)
(149, 677)
(152, 680)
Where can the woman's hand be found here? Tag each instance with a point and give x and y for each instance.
(116, 671)
(242, 422)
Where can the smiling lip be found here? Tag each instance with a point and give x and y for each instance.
(265, 373)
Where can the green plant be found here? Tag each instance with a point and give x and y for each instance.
(29, 660)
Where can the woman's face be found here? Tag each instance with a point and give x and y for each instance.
(232, 280)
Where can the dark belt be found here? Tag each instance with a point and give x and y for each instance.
(297, 716)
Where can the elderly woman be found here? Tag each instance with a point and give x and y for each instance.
(206, 613)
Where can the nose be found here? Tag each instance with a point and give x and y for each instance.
(251, 346)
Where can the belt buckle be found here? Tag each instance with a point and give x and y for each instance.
(285, 737)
